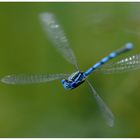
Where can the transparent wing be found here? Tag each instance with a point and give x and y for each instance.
(30, 79)
(123, 65)
(57, 37)
(106, 112)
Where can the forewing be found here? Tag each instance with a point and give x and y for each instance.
(106, 112)
(30, 79)
(126, 64)
(57, 37)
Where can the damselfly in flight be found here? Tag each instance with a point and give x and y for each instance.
(57, 36)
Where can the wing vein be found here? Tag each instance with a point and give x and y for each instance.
(30, 79)
(106, 112)
(124, 65)
(57, 36)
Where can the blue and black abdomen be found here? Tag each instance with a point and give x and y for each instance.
(114, 54)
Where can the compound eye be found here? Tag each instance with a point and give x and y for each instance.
(63, 81)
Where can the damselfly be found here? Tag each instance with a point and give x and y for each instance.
(57, 36)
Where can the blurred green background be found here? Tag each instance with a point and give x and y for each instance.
(47, 110)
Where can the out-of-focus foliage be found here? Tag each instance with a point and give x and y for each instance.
(47, 110)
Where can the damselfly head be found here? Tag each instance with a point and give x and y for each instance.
(73, 80)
